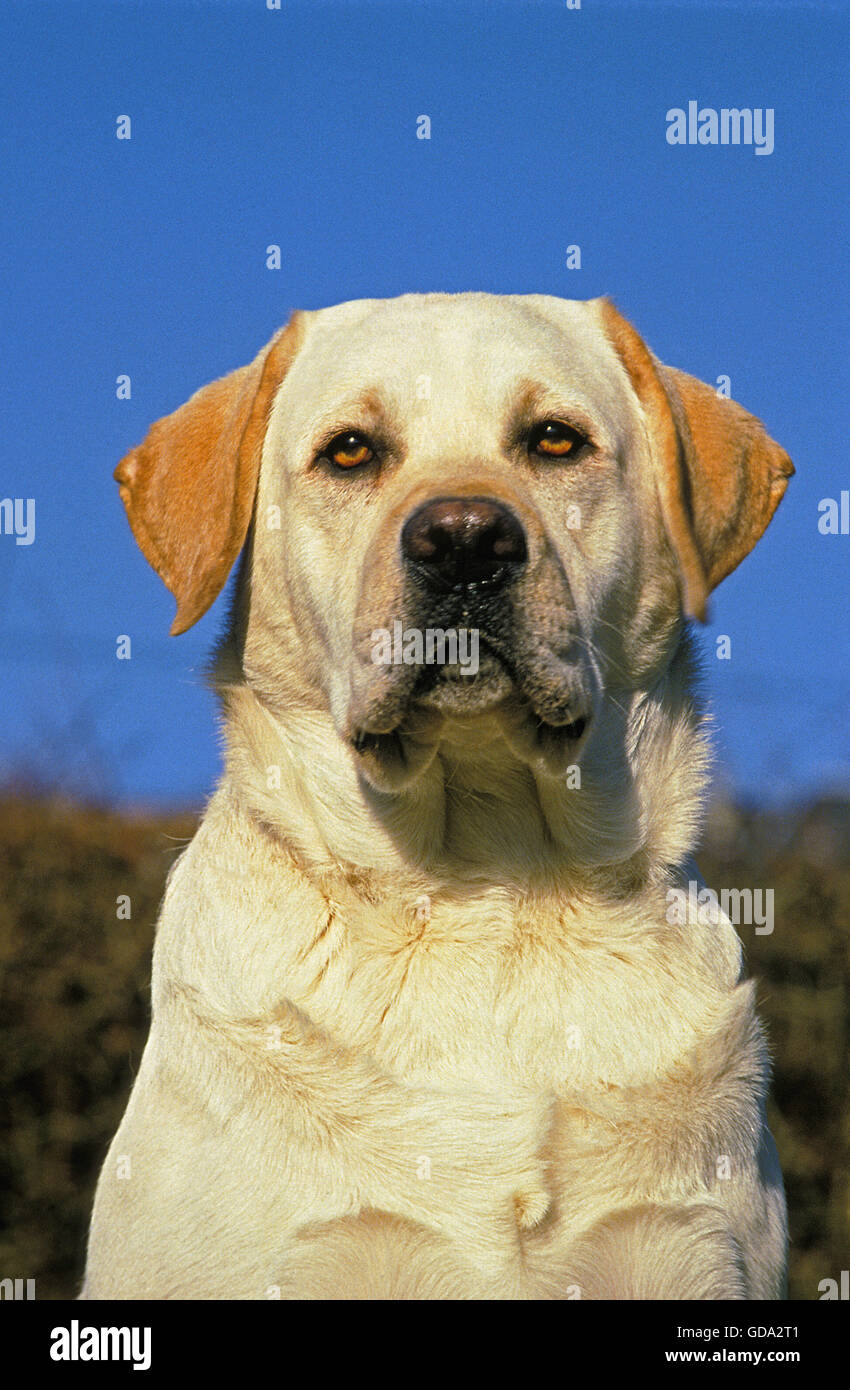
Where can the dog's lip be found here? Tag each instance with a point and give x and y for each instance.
(572, 728)
(568, 723)
(371, 740)
(429, 676)
(566, 720)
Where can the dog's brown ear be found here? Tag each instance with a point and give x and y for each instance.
(189, 488)
(720, 477)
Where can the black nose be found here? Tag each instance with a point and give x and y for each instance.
(464, 540)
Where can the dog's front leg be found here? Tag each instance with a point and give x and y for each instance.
(659, 1252)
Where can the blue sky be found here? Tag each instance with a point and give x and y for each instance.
(298, 127)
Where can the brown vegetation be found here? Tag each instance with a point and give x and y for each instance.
(75, 1004)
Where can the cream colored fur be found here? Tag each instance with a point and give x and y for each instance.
(438, 1040)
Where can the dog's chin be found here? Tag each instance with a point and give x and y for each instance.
(547, 733)
(457, 693)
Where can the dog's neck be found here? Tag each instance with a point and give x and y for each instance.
(477, 813)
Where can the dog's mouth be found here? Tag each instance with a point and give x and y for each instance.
(485, 677)
(499, 685)
(545, 724)
(390, 761)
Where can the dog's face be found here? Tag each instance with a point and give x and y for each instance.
(465, 508)
(471, 465)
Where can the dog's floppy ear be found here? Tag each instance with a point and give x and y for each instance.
(189, 488)
(720, 477)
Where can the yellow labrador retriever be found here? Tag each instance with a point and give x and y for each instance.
(423, 1027)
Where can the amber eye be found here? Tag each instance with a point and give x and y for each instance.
(555, 440)
(348, 450)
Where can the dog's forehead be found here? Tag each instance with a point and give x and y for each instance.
(468, 346)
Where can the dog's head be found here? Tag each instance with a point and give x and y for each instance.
(462, 508)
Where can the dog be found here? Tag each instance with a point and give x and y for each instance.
(421, 1025)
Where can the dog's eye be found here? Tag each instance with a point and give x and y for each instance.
(555, 440)
(348, 450)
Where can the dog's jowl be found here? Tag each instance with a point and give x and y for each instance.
(423, 1023)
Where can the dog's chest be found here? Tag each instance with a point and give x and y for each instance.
(500, 989)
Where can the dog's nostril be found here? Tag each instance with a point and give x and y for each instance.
(464, 539)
